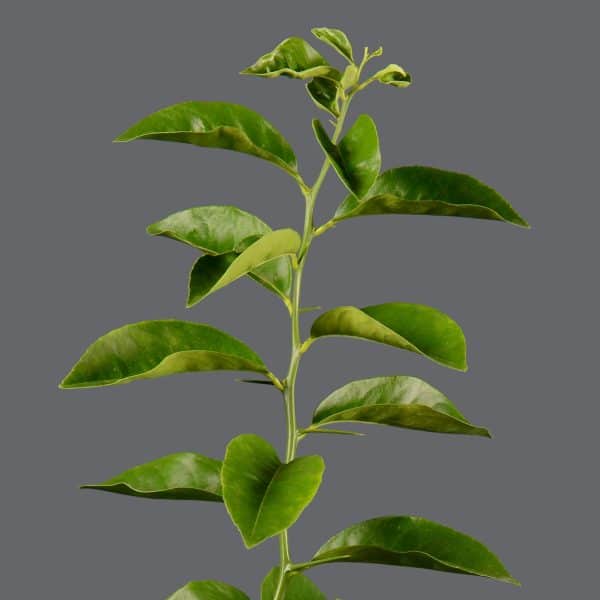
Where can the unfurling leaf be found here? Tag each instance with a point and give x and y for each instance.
(152, 349)
(294, 57)
(356, 159)
(393, 75)
(429, 191)
(211, 273)
(181, 476)
(298, 587)
(413, 327)
(208, 590)
(216, 125)
(399, 401)
(263, 495)
(325, 94)
(413, 542)
(337, 39)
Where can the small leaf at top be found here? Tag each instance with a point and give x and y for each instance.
(263, 495)
(335, 38)
(399, 401)
(298, 587)
(216, 125)
(393, 75)
(181, 476)
(152, 349)
(294, 57)
(413, 542)
(356, 159)
(324, 93)
(429, 191)
(211, 273)
(208, 590)
(413, 327)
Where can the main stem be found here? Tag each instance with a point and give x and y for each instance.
(289, 390)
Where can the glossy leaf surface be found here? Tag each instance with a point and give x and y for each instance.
(181, 476)
(211, 273)
(413, 327)
(429, 191)
(263, 495)
(413, 542)
(393, 75)
(298, 587)
(335, 38)
(324, 93)
(216, 125)
(151, 349)
(294, 57)
(399, 401)
(356, 158)
(208, 590)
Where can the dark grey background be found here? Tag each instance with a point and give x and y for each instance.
(504, 90)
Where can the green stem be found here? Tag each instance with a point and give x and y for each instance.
(298, 347)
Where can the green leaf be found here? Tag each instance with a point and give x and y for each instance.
(298, 587)
(398, 401)
(428, 191)
(211, 273)
(152, 349)
(324, 93)
(294, 57)
(216, 125)
(337, 39)
(223, 230)
(356, 158)
(413, 327)
(181, 476)
(413, 542)
(208, 590)
(263, 495)
(393, 75)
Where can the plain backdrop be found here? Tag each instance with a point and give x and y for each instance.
(507, 91)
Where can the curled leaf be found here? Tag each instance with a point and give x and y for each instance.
(337, 39)
(393, 75)
(325, 94)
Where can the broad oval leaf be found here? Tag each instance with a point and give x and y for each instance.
(413, 542)
(298, 587)
(208, 590)
(294, 57)
(324, 93)
(357, 158)
(263, 495)
(413, 327)
(393, 75)
(180, 476)
(335, 38)
(428, 191)
(399, 401)
(216, 125)
(150, 349)
(211, 273)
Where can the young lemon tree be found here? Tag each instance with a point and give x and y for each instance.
(264, 493)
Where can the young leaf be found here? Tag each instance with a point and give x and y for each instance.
(393, 75)
(398, 401)
(152, 349)
(413, 327)
(428, 191)
(337, 39)
(263, 495)
(298, 587)
(211, 273)
(294, 57)
(216, 125)
(413, 542)
(208, 590)
(356, 158)
(223, 230)
(181, 476)
(324, 93)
